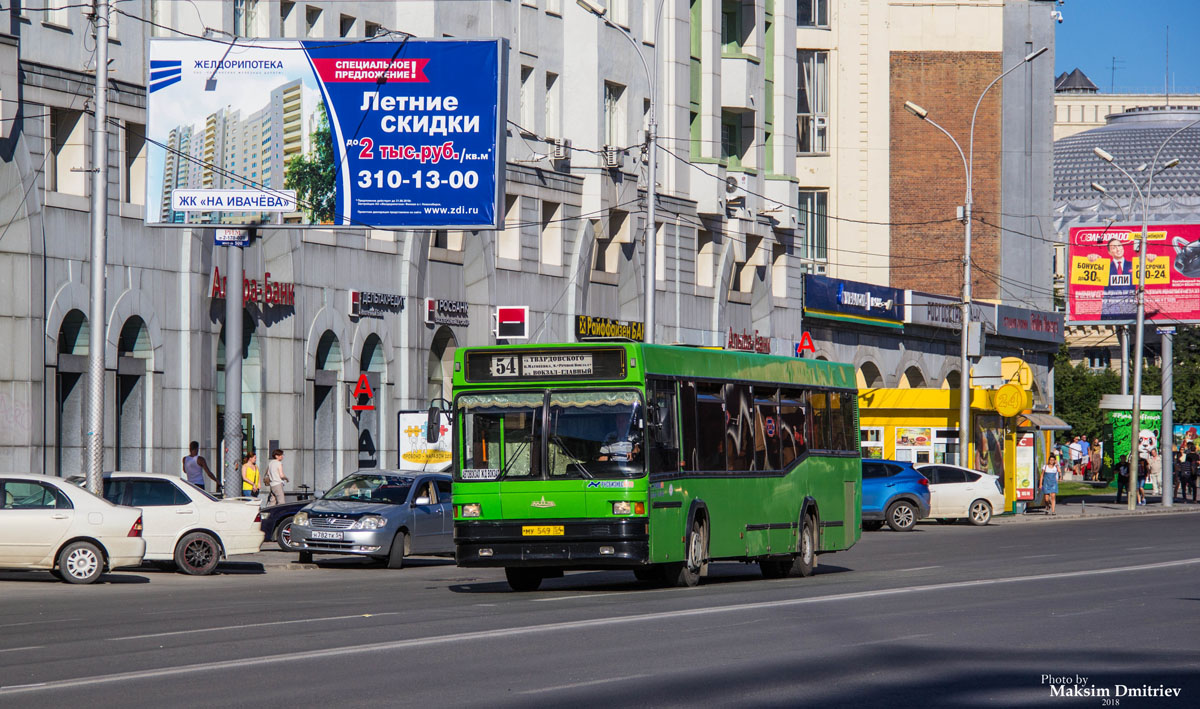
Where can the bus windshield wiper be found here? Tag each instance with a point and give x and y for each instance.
(567, 451)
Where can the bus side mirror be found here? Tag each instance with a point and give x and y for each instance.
(433, 425)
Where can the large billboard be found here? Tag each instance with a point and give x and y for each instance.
(1102, 275)
(380, 134)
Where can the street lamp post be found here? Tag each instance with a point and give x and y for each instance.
(1140, 317)
(651, 232)
(964, 380)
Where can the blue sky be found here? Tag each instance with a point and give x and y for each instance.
(1133, 31)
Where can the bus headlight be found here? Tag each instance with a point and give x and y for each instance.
(622, 508)
(471, 510)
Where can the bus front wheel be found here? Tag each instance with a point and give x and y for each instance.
(523, 580)
(686, 574)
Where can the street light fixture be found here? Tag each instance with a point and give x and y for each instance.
(651, 282)
(964, 379)
(1140, 300)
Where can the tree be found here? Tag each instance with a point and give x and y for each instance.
(1077, 392)
(314, 175)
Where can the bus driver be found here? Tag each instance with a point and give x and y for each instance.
(623, 444)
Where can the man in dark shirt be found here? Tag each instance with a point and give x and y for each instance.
(1187, 476)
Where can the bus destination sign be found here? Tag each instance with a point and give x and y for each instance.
(546, 364)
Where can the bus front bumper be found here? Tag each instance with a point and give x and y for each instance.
(584, 544)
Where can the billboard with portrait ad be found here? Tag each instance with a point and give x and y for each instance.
(1102, 274)
(369, 133)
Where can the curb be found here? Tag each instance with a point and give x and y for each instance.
(1108, 514)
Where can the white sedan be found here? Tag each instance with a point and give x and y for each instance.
(46, 523)
(960, 492)
(184, 524)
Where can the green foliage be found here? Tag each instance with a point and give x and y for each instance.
(1077, 392)
(314, 176)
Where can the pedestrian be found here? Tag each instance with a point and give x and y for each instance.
(1085, 455)
(276, 478)
(1122, 478)
(1076, 451)
(1049, 484)
(195, 467)
(1187, 481)
(1155, 467)
(1097, 461)
(1143, 472)
(250, 476)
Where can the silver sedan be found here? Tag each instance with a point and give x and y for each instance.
(386, 515)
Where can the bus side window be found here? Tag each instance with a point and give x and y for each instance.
(739, 438)
(663, 446)
(819, 406)
(850, 418)
(793, 426)
(711, 416)
(837, 427)
(766, 429)
(688, 455)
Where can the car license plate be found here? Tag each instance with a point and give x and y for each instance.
(325, 535)
(542, 530)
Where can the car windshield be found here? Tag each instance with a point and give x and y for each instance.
(386, 489)
(592, 434)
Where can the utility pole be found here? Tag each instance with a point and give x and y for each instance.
(234, 288)
(97, 309)
(1168, 415)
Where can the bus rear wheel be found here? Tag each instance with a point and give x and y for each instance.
(523, 580)
(686, 574)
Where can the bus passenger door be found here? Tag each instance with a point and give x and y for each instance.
(666, 492)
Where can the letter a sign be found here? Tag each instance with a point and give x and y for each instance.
(363, 388)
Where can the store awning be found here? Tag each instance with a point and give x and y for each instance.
(1042, 422)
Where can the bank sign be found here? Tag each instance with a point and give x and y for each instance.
(851, 300)
(378, 134)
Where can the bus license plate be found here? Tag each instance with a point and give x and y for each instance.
(542, 530)
(325, 535)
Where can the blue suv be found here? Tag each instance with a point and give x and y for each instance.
(894, 493)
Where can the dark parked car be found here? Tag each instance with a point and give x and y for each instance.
(893, 492)
(277, 522)
(378, 513)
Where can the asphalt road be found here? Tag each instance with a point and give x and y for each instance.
(942, 616)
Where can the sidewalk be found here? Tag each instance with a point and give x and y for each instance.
(1095, 507)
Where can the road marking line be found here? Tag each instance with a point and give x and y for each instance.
(583, 684)
(919, 568)
(251, 625)
(1039, 556)
(891, 640)
(38, 622)
(359, 649)
(1139, 548)
(28, 647)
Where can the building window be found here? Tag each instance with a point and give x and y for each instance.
(812, 110)
(447, 240)
(312, 20)
(508, 241)
(56, 13)
(608, 248)
(245, 17)
(135, 162)
(551, 233)
(620, 12)
(706, 258)
(812, 13)
(1098, 359)
(346, 26)
(553, 106)
(528, 107)
(67, 150)
(372, 28)
(614, 114)
(735, 138)
(734, 35)
(745, 272)
(813, 209)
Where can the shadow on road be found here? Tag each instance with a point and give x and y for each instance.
(116, 578)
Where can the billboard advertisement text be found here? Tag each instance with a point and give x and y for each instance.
(1102, 273)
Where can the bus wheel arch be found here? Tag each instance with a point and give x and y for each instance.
(694, 564)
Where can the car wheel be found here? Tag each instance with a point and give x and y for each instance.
(946, 520)
(283, 535)
(395, 558)
(523, 580)
(979, 513)
(197, 554)
(686, 574)
(305, 557)
(872, 525)
(80, 562)
(901, 516)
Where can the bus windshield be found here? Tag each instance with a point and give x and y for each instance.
(592, 434)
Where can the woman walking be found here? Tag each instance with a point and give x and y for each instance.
(1050, 481)
(250, 476)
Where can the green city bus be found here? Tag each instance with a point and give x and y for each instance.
(657, 459)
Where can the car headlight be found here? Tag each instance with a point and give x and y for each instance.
(371, 522)
(622, 508)
(471, 510)
(300, 518)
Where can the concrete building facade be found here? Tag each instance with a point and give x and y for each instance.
(780, 143)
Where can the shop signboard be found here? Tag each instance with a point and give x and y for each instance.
(943, 312)
(416, 452)
(367, 304)
(1029, 324)
(266, 292)
(591, 328)
(851, 300)
(376, 133)
(747, 341)
(1025, 467)
(1120, 422)
(1103, 266)
(1185, 433)
(439, 311)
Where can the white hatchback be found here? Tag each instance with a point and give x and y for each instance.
(956, 493)
(184, 524)
(46, 523)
